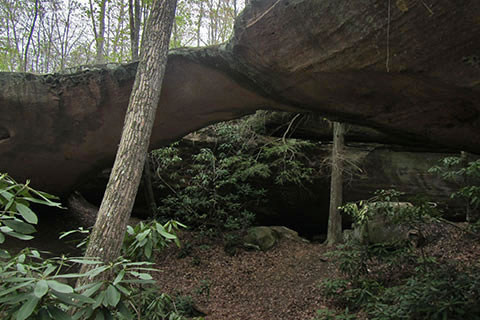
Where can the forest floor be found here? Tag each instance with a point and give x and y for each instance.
(282, 283)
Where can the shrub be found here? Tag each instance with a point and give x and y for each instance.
(443, 293)
(32, 287)
(466, 174)
(16, 218)
(421, 288)
(142, 240)
(213, 190)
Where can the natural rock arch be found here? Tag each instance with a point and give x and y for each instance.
(421, 81)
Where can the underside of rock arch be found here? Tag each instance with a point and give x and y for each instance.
(411, 70)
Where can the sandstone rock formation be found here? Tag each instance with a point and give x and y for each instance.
(410, 69)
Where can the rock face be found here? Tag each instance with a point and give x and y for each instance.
(382, 167)
(410, 71)
(380, 228)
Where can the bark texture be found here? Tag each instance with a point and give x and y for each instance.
(420, 81)
(107, 235)
(334, 234)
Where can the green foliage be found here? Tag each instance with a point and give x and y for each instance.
(142, 240)
(203, 288)
(465, 175)
(16, 217)
(154, 305)
(35, 287)
(387, 203)
(395, 280)
(327, 314)
(214, 189)
(443, 293)
(439, 292)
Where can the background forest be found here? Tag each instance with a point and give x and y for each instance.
(51, 36)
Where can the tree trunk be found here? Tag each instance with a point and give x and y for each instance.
(135, 14)
(100, 36)
(148, 187)
(109, 230)
(199, 23)
(334, 233)
(25, 64)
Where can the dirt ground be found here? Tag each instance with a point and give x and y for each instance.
(282, 283)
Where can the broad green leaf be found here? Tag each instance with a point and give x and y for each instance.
(27, 309)
(4, 253)
(73, 299)
(95, 272)
(167, 235)
(119, 277)
(7, 195)
(5, 229)
(148, 249)
(86, 261)
(2, 293)
(112, 296)
(50, 268)
(143, 235)
(99, 315)
(94, 288)
(27, 213)
(19, 226)
(41, 288)
(15, 298)
(123, 290)
(2, 238)
(19, 235)
(99, 300)
(60, 287)
(123, 310)
(143, 276)
(58, 314)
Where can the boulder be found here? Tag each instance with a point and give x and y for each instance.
(380, 227)
(264, 238)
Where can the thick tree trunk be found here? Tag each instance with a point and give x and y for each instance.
(334, 235)
(109, 230)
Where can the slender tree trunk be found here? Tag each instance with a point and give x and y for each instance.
(100, 59)
(148, 186)
(135, 13)
(199, 23)
(109, 230)
(334, 233)
(25, 64)
(100, 33)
